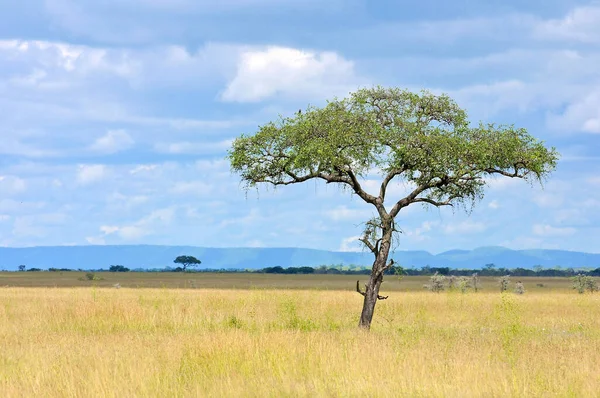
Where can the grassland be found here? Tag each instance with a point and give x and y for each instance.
(180, 280)
(94, 341)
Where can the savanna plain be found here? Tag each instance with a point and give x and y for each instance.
(174, 335)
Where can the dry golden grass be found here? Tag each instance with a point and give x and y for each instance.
(91, 342)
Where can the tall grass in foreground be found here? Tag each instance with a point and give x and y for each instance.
(176, 343)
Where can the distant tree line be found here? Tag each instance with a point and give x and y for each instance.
(340, 269)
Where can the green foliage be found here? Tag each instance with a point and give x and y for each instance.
(22, 268)
(90, 276)
(118, 268)
(421, 138)
(187, 261)
(581, 283)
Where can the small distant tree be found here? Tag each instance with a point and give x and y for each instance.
(581, 283)
(489, 268)
(436, 283)
(452, 280)
(22, 268)
(463, 283)
(504, 282)
(187, 261)
(519, 288)
(476, 282)
(118, 268)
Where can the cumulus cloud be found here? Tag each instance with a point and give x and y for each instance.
(12, 185)
(290, 72)
(420, 233)
(351, 244)
(196, 188)
(465, 227)
(345, 213)
(113, 141)
(196, 148)
(581, 24)
(550, 231)
(139, 229)
(88, 174)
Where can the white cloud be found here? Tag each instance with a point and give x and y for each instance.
(419, 233)
(494, 204)
(143, 168)
(345, 213)
(255, 243)
(582, 24)
(595, 180)
(351, 244)
(12, 185)
(88, 174)
(290, 72)
(550, 231)
(197, 188)
(145, 226)
(582, 114)
(95, 240)
(196, 148)
(465, 227)
(113, 141)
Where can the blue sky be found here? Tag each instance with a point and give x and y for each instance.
(115, 116)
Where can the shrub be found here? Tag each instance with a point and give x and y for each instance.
(475, 281)
(436, 283)
(519, 288)
(504, 281)
(90, 276)
(581, 283)
(463, 283)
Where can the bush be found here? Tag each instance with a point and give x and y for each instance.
(90, 276)
(436, 283)
(475, 281)
(581, 283)
(463, 284)
(504, 281)
(519, 288)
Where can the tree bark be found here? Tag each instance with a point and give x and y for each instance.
(372, 287)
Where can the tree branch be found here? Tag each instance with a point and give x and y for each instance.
(433, 202)
(371, 247)
(364, 294)
(407, 200)
(388, 178)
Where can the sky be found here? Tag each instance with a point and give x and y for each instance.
(116, 115)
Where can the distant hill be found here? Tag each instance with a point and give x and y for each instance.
(149, 256)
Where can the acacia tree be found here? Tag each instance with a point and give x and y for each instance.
(421, 139)
(187, 261)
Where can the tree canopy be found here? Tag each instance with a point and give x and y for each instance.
(420, 138)
(187, 261)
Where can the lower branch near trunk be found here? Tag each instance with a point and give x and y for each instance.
(364, 294)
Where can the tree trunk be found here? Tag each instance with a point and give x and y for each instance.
(372, 287)
(372, 291)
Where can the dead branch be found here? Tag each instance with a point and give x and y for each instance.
(364, 293)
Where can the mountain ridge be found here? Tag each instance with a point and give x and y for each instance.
(161, 256)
